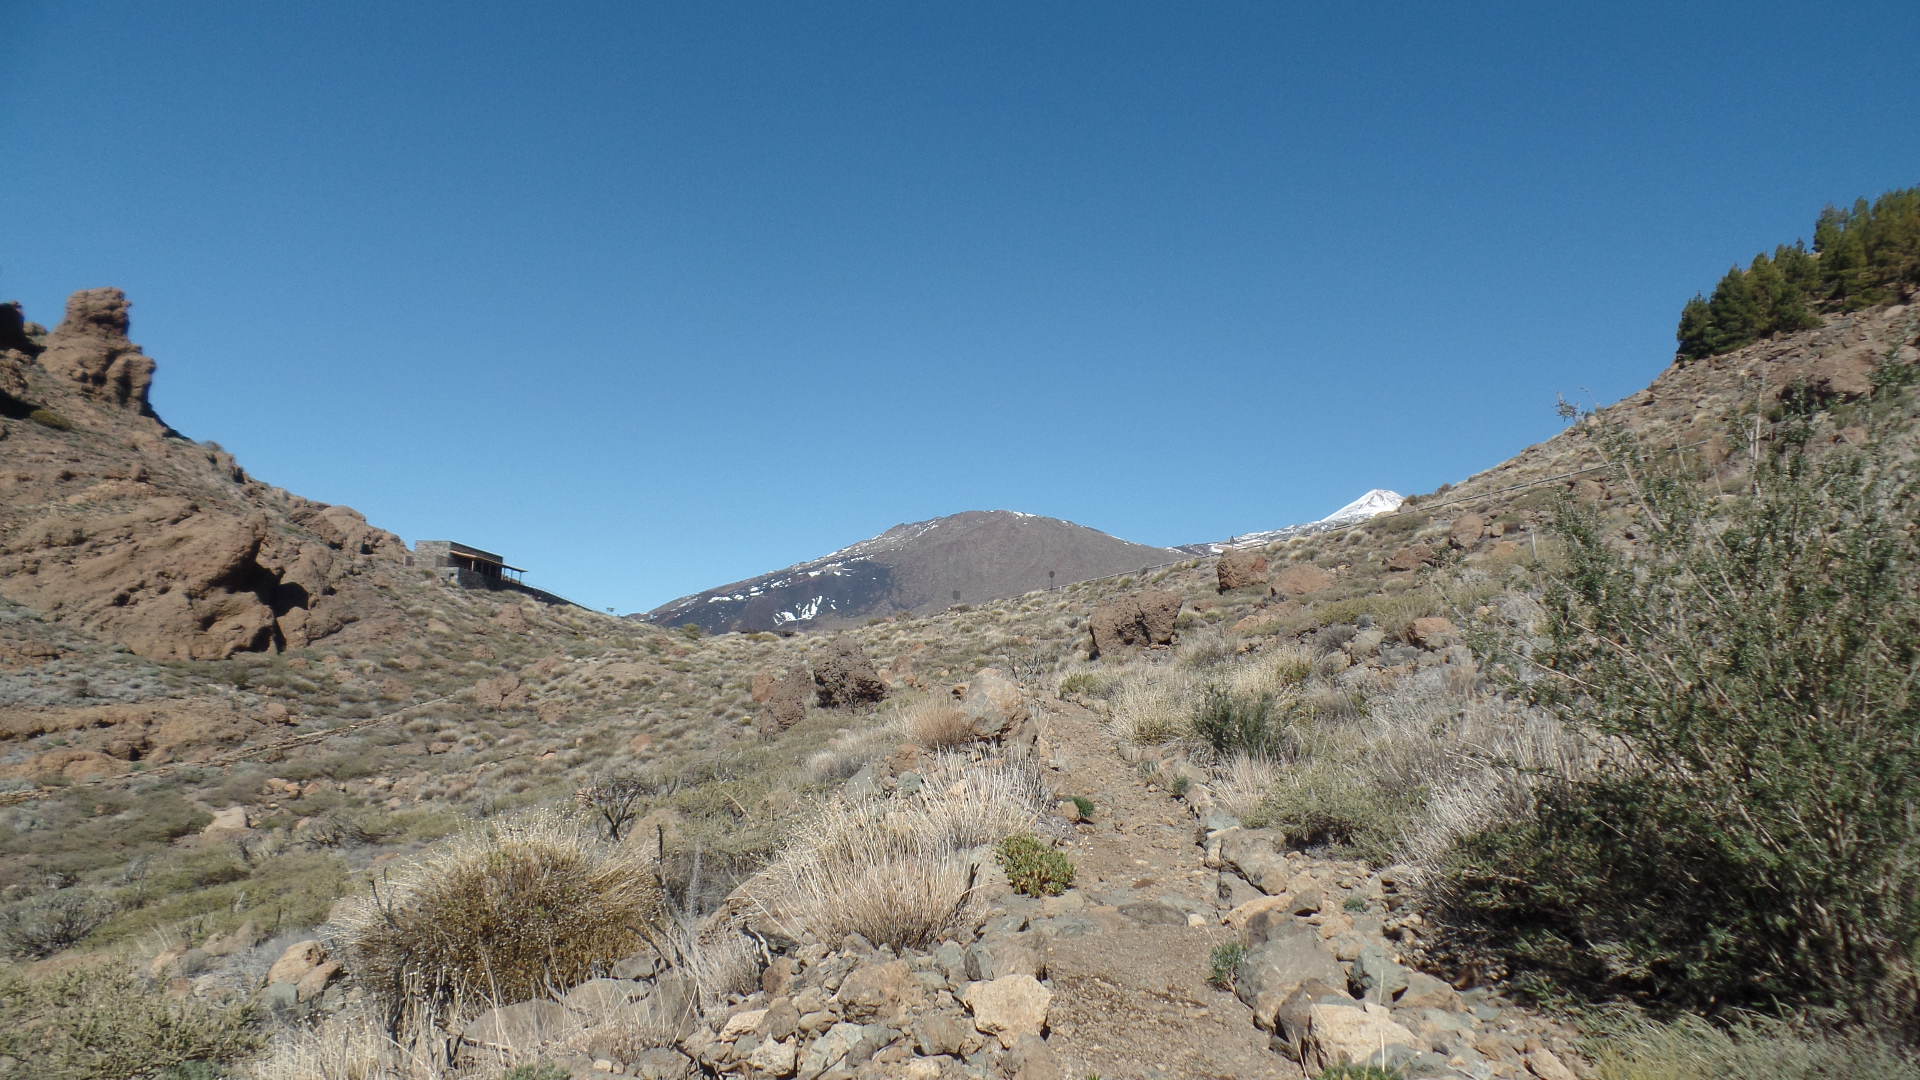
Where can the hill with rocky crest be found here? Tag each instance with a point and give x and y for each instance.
(915, 568)
(113, 523)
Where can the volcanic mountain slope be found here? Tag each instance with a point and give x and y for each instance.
(916, 568)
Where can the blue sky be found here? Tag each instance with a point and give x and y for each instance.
(651, 298)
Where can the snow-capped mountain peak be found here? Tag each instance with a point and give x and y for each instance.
(1373, 503)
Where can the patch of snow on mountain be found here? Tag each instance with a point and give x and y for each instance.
(804, 612)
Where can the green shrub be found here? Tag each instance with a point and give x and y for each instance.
(542, 1071)
(502, 913)
(1084, 805)
(1032, 867)
(98, 1021)
(1752, 838)
(1326, 805)
(49, 418)
(1241, 723)
(1223, 962)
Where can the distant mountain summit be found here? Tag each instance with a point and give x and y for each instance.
(915, 568)
(1372, 504)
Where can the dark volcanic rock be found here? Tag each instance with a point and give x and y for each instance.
(782, 697)
(1144, 618)
(844, 675)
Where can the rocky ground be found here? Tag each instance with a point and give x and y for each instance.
(1115, 977)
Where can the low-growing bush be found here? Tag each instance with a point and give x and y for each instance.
(936, 725)
(101, 1021)
(1032, 867)
(1233, 723)
(50, 419)
(1751, 838)
(43, 925)
(1329, 805)
(502, 912)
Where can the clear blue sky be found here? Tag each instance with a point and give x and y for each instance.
(654, 297)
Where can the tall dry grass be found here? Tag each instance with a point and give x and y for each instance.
(897, 871)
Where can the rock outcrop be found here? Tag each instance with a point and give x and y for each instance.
(90, 349)
(1143, 618)
(782, 697)
(113, 523)
(844, 675)
(1239, 568)
(1301, 579)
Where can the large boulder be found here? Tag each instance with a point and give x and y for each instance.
(1238, 568)
(1840, 376)
(1270, 972)
(782, 697)
(1410, 558)
(1467, 531)
(844, 675)
(1359, 1034)
(1301, 579)
(1008, 1007)
(1143, 618)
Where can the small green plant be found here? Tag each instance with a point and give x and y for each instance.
(1223, 962)
(1032, 867)
(1084, 805)
(545, 1070)
(1359, 1072)
(1239, 723)
(1081, 684)
(50, 419)
(1355, 904)
(1180, 784)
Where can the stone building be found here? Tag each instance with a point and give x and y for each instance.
(467, 567)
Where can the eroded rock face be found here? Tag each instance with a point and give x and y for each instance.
(1238, 569)
(1144, 618)
(91, 350)
(111, 522)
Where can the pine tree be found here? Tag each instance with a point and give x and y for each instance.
(1696, 330)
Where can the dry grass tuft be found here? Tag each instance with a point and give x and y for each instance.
(897, 871)
(1689, 1048)
(936, 724)
(502, 912)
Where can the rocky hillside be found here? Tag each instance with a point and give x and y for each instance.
(915, 568)
(114, 524)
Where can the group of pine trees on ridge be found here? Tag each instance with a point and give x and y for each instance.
(1860, 257)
